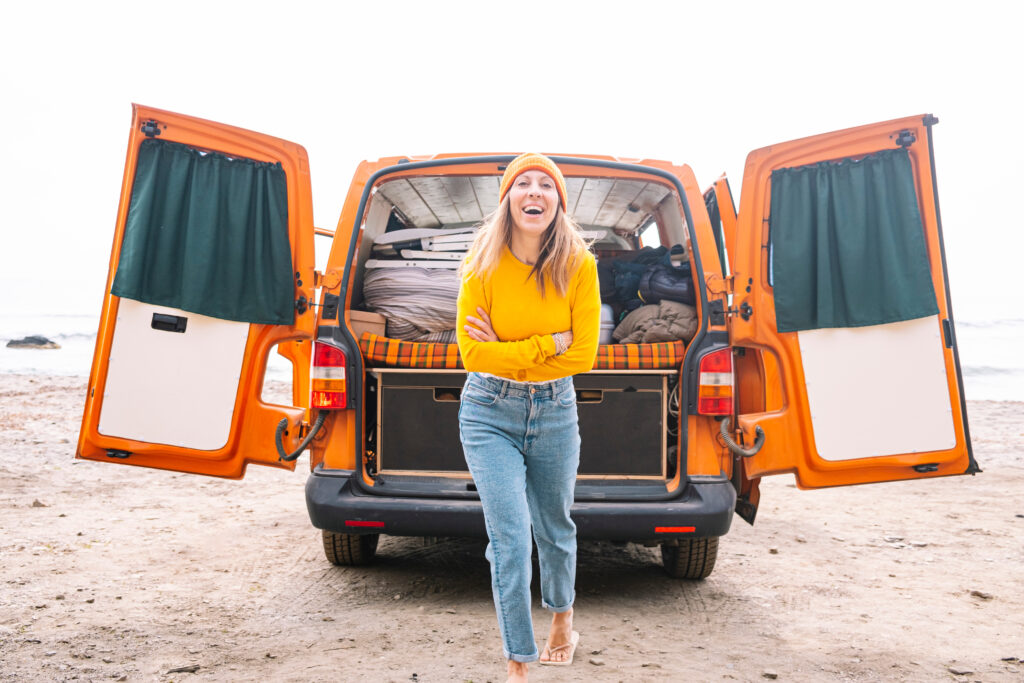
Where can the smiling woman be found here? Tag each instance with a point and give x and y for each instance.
(528, 320)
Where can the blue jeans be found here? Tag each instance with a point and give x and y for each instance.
(522, 445)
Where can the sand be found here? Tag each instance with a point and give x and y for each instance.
(112, 572)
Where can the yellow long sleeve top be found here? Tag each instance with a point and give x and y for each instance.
(524, 322)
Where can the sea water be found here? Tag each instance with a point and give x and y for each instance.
(991, 360)
(76, 335)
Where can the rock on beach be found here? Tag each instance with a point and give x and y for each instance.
(32, 342)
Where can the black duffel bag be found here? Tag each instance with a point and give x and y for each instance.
(661, 281)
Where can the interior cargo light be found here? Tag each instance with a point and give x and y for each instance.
(714, 396)
(328, 381)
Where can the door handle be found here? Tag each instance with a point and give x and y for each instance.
(169, 323)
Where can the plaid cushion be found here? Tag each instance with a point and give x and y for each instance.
(640, 356)
(395, 353)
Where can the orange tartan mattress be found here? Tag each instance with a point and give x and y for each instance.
(394, 353)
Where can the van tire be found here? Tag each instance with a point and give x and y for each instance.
(349, 550)
(693, 558)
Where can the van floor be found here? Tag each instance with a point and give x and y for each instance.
(120, 573)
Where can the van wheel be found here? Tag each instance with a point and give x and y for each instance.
(350, 549)
(693, 558)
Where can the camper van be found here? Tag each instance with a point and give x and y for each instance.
(820, 340)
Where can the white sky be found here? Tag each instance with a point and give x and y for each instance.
(700, 83)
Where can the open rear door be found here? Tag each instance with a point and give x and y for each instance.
(211, 267)
(722, 211)
(841, 288)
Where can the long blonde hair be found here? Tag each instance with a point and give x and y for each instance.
(561, 250)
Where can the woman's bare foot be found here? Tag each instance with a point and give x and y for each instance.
(517, 672)
(560, 634)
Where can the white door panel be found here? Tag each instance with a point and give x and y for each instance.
(878, 390)
(172, 388)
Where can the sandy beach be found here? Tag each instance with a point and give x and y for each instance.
(112, 572)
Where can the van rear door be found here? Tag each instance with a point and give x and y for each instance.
(210, 269)
(840, 286)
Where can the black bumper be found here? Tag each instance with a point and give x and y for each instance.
(335, 505)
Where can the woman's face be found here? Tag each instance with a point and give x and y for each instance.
(533, 201)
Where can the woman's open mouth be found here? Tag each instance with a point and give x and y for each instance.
(533, 210)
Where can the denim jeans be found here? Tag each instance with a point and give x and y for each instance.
(522, 445)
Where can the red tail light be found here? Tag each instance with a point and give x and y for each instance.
(715, 394)
(328, 385)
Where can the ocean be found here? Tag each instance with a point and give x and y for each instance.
(76, 335)
(990, 352)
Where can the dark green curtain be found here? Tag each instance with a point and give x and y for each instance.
(847, 244)
(208, 233)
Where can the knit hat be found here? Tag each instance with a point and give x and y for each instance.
(533, 162)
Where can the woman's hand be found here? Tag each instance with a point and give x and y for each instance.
(563, 340)
(485, 332)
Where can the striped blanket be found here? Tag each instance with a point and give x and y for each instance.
(419, 303)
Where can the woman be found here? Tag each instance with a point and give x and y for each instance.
(528, 319)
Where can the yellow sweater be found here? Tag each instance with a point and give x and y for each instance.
(524, 322)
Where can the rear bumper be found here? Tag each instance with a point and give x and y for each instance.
(335, 505)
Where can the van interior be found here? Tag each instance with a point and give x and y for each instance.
(628, 213)
(629, 418)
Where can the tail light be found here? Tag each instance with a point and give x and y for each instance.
(714, 396)
(329, 387)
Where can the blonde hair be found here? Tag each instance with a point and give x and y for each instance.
(561, 250)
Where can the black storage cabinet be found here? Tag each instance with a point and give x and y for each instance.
(622, 423)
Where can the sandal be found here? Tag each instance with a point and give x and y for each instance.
(573, 642)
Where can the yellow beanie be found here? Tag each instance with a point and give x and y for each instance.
(533, 162)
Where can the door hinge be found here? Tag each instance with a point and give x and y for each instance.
(121, 455)
(328, 280)
(718, 284)
(928, 467)
(905, 139)
(151, 128)
(301, 304)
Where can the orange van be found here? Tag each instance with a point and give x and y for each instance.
(824, 342)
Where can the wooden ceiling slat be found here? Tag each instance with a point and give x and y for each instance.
(432, 190)
(573, 187)
(486, 189)
(408, 201)
(591, 198)
(616, 203)
(646, 201)
(460, 189)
